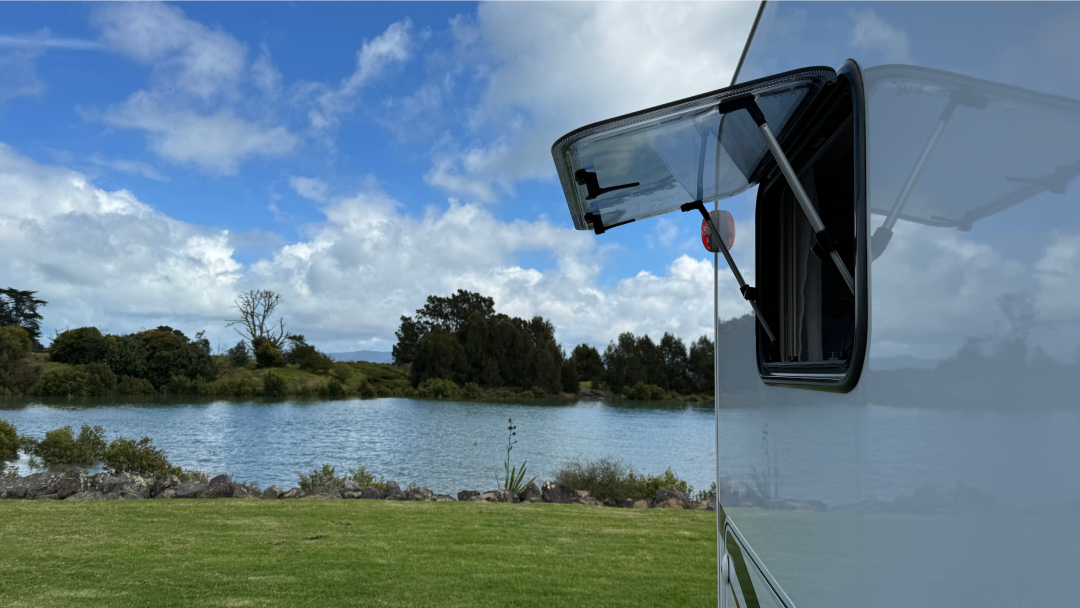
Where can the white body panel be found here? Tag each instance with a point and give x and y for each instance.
(951, 475)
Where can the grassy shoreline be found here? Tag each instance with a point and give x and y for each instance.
(345, 552)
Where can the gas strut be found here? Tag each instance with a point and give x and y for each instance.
(749, 293)
(825, 241)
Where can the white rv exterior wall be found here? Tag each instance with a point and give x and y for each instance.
(951, 475)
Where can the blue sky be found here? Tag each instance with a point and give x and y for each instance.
(157, 159)
(354, 156)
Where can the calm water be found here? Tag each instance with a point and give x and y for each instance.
(839, 454)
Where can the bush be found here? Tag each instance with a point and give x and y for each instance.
(342, 372)
(140, 457)
(472, 390)
(324, 479)
(608, 478)
(170, 353)
(646, 392)
(320, 480)
(335, 389)
(78, 346)
(309, 359)
(134, 386)
(9, 441)
(239, 355)
(538, 392)
(438, 388)
(61, 448)
(90, 380)
(274, 385)
(267, 355)
(365, 479)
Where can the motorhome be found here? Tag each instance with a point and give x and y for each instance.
(908, 171)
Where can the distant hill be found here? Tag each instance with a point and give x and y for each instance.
(373, 356)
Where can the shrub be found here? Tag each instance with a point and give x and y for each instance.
(366, 389)
(325, 479)
(182, 385)
(267, 355)
(335, 389)
(365, 479)
(645, 392)
(134, 386)
(61, 448)
(438, 388)
(140, 457)
(342, 372)
(128, 356)
(309, 359)
(608, 478)
(78, 346)
(274, 385)
(9, 441)
(538, 392)
(170, 353)
(239, 355)
(90, 380)
(320, 479)
(472, 390)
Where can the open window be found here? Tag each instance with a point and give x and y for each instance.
(800, 136)
(821, 325)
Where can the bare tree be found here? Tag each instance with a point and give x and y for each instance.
(256, 307)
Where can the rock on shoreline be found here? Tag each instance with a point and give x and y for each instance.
(75, 484)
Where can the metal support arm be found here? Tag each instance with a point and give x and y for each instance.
(825, 241)
(748, 292)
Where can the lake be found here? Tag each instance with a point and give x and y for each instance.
(839, 454)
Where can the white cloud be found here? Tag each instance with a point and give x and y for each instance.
(18, 74)
(123, 165)
(194, 111)
(872, 33)
(311, 188)
(265, 74)
(105, 258)
(392, 46)
(216, 142)
(44, 39)
(184, 53)
(610, 58)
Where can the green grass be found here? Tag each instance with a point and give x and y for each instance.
(352, 553)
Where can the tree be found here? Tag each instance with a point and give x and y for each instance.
(256, 307)
(449, 313)
(673, 352)
(623, 365)
(170, 353)
(453, 312)
(408, 336)
(19, 309)
(587, 363)
(79, 346)
(19, 369)
(438, 355)
(266, 354)
(700, 365)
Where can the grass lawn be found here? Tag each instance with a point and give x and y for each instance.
(352, 552)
